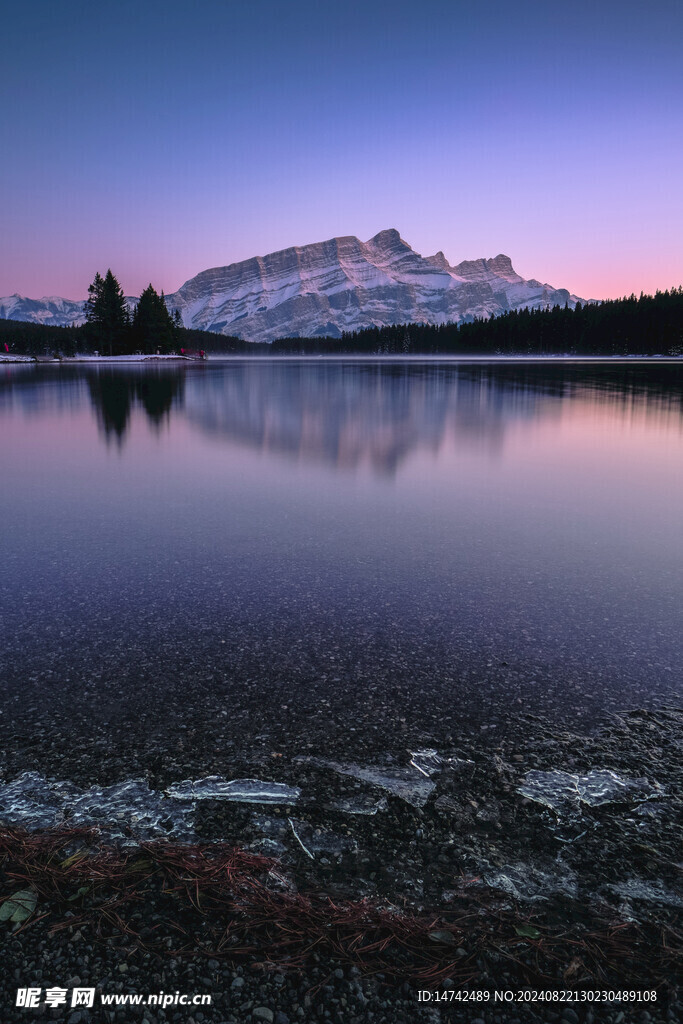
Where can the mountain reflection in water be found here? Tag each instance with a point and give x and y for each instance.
(377, 414)
(348, 414)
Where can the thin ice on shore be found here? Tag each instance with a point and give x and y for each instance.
(128, 809)
(252, 791)
(565, 792)
(405, 783)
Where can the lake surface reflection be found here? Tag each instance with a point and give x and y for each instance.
(352, 543)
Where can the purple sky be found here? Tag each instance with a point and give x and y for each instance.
(163, 138)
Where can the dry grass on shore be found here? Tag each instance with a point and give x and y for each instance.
(217, 901)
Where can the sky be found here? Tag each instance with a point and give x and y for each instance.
(164, 138)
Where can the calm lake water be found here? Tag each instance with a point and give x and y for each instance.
(339, 549)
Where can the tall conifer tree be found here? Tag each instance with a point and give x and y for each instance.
(107, 314)
(153, 326)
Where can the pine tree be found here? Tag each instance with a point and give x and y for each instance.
(153, 326)
(107, 314)
(93, 306)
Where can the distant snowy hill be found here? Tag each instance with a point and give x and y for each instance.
(330, 287)
(51, 309)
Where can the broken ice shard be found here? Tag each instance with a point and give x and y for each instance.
(33, 801)
(407, 784)
(564, 792)
(360, 804)
(426, 761)
(125, 809)
(251, 791)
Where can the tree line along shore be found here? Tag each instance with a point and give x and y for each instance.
(647, 325)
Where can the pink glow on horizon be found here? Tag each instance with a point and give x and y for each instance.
(613, 278)
(589, 266)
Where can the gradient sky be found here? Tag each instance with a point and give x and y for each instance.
(163, 138)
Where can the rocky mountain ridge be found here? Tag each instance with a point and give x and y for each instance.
(330, 287)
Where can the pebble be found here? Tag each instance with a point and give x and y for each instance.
(264, 1014)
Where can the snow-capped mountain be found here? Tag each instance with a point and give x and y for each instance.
(330, 287)
(51, 309)
(345, 284)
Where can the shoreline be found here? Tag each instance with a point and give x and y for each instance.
(339, 357)
(444, 835)
(116, 360)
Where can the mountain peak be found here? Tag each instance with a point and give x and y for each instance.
(386, 239)
(438, 260)
(501, 264)
(480, 270)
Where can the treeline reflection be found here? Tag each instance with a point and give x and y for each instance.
(114, 396)
(114, 393)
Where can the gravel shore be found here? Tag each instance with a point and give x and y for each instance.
(422, 833)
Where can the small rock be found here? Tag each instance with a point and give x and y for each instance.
(237, 983)
(263, 1013)
(570, 1016)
